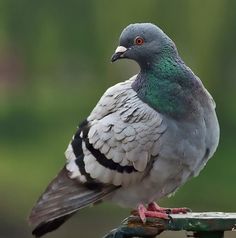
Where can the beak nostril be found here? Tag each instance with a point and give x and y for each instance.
(120, 49)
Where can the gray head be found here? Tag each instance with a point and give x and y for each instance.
(142, 42)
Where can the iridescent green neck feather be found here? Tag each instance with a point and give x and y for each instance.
(166, 85)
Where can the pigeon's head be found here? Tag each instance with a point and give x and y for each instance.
(142, 42)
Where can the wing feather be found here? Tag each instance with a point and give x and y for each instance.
(120, 137)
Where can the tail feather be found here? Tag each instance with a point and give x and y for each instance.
(62, 198)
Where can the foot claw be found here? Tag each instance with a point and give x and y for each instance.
(168, 211)
(170, 218)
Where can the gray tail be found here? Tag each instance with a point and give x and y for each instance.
(62, 198)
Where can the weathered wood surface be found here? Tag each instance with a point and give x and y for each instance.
(203, 225)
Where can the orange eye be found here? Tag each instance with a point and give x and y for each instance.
(138, 40)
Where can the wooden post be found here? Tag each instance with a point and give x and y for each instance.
(203, 225)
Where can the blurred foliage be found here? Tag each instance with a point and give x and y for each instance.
(55, 65)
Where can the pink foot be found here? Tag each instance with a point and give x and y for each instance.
(144, 213)
(155, 211)
(154, 207)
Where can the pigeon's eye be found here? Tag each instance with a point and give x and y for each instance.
(138, 40)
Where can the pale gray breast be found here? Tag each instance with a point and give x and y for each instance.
(186, 146)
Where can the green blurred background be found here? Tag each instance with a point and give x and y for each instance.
(55, 65)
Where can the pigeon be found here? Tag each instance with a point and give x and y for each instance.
(145, 137)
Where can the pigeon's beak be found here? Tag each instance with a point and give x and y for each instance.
(119, 53)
